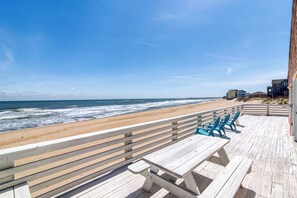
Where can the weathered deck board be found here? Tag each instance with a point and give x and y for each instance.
(263, 139)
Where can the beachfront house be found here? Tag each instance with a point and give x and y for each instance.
(292, 73)
(231, 94)
(235, 93)
(279, 88)
(242, 94)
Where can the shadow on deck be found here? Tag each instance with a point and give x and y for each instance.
(263, 139)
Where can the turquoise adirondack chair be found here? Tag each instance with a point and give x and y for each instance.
(208, 130)
(231, 123)
(221, 125)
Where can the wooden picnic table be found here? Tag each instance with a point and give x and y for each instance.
(180, 159)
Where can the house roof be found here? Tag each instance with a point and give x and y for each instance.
(278, 81)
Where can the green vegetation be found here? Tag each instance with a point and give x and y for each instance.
(267, 100)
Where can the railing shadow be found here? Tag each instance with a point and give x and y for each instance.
(202, 181)
(155, 189)
(223, 136)
(95, 182)
(246, 192)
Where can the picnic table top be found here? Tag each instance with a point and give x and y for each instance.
(182, 157)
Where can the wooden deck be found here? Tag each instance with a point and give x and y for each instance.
(264, 139)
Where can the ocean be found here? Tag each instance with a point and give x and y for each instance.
(16, 115)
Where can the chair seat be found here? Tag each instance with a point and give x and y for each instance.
(202, 132)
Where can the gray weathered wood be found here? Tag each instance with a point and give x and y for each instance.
(263, 139)
(191, 183)
(223, 156)
(229, 179)
(172, 187)
(22, 191)
(9, 156)
(7, 193)
(138, 166)
(183, 157)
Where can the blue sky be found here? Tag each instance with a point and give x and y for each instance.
(140, 49)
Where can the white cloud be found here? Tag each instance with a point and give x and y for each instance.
(147, 43)
(229, 70)
(187, 9)
(189, 77)
(8, 57)
(165, 16)
(251, 80)
(138, 41)
(224, 57)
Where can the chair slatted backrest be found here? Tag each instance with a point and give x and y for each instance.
(235, 117)
(226, 119)
(215, 125)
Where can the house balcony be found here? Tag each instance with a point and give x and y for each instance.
(95, 164)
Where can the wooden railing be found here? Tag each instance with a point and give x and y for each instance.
(57, 166)
(266, 109)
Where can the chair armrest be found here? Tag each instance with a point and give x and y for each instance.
(205, 129)
(207, 125)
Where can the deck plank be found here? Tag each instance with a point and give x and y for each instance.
(263, 139)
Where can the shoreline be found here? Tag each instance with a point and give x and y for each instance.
(79, 111)
(40, 134)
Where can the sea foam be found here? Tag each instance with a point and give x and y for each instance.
(22, 118)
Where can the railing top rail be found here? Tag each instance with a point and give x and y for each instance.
(61, 143)
(266, 105)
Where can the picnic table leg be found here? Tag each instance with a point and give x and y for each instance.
(191, 183)
(223, 156)
(148, 181)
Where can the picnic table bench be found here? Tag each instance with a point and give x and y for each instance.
(18, 191)
(181, 158)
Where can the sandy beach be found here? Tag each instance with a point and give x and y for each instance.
(33, 135)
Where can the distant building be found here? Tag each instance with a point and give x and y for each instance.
(258, 94)
(231, 94)
(279, 88)
(242, 94)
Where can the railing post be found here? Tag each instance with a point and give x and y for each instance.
(6, 165)
(232, 110)
(242, 109)
(225, 112)
(214, 115)
(128, 142)
(199, 121)
(267, 110)
(174, 131)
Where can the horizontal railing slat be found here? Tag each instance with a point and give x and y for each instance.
(53, 145)
(76, 157)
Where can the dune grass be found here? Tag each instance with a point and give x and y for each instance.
(266, 100)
